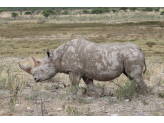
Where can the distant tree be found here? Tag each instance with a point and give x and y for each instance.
(38, 12)
(65, 12)
(123, 8)
(133, 8)
(27, 13)
(147, 9)
(1, 10)
(86, 11)
(46, 14)
(162, 13)
(96, 11)
(33, 10)
(14, 15)
(114, 10)
(100, 10)
(58, 11)
(156, 9)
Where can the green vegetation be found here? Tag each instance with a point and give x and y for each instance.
(86, 11)
(1, 10)
(162, 13)
(123, 8)
(148, 9)
(14, 15)
(99, 10)
(27, 13)
(133, 8)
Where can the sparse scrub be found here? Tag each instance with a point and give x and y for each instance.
(145, 102)
(148, 9)
(83, 100)
(65, 12)
(86, 11)
(123, 8)
(162, 13)
(161, 95)
(127, 91)
(1, 10)
(133, 8)
(150, 44)
(156, 9)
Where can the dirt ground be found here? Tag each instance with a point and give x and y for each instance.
(50, 99)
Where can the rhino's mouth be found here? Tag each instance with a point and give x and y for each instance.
(37, 80)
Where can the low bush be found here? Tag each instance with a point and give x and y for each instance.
(86, 11)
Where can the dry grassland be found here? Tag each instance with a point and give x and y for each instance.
(22, 39)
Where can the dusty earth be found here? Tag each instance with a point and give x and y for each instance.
(50, 98)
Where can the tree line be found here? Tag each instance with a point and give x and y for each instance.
(47, 11)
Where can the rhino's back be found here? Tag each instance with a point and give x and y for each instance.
(98, 61)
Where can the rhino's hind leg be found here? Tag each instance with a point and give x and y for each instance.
(137, 78)
(92, 87)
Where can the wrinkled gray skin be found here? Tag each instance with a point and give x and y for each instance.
(87, 60)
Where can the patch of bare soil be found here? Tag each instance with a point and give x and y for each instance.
(49, 99)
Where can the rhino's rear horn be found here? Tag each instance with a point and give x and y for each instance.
(28, 70)
(37, 63)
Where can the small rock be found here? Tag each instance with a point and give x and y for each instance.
(106, 111)
(17, 105)
(48, 100)
(114, 114)
(30, 85)
(127, 100)
(108, 114)
(103, 107)
(59, 109)
(28, 108)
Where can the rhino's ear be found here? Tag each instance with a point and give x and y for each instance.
(49, 53)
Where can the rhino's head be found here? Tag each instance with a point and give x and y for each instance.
(42, 70)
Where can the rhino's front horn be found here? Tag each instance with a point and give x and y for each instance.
(28, 70)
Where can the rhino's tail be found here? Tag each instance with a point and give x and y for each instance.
(144, 61)
(145, 66)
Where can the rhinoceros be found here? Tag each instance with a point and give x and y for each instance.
(88, 60)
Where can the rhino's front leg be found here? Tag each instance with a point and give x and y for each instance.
(75, 79)
(92, 87)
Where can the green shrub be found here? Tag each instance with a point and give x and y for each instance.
(1, 10)
(156, 9)
(114, 10)
(51, 12)
(133, 8)
(123, 8)
(162, 13)
(46, 14)
(27, 13)
(100, 10)
(14, 15)
(86, 11)
(65, 12)
(147, 9)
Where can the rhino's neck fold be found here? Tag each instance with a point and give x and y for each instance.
(57, 56)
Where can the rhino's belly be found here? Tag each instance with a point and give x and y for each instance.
(104, 75)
